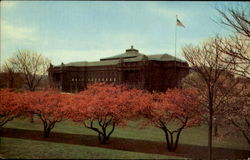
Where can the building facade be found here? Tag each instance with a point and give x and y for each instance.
(151, 72)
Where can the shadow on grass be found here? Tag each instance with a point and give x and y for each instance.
(143, 146)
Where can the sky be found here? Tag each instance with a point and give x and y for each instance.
(68, 31)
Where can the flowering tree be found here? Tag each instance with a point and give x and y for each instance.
(102, 107)
(10, 106)
(176, 106)
(48, 106)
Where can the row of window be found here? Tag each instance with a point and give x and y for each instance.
(94, 79)
(75, 79)
(101, 79)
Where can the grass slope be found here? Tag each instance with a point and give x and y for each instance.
(26, 149)
(194, 136)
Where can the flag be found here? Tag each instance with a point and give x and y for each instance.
(178, 23)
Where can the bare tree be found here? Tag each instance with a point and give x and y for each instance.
(238, 48)
(207, 61)
(238, 44)
(237, 98)
(237, 116)
(32, 65)
(237, 19)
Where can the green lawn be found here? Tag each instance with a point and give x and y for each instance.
(26, 149)
(195, 135)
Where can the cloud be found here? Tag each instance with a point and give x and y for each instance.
(7, 4)
(15, 37)
(67, 56)
(123, 40)
(102, 41)
(9, 31)
(168, 12)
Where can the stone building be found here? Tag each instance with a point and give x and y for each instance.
(151, 72)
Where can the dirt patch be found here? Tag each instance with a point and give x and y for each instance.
(132, 145)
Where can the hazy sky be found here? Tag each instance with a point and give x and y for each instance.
(67, 31)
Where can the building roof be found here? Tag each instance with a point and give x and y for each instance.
(164, 57)
(97, 63)
(131, 55)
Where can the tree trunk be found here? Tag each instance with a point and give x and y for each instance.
(167, 138)
(216, 129)
(31, 120)
(177, 139)
(210, 122)
(210, 134)
(172, 143)
(46, 133)
(103, 136)
(47, 130)
(103, 139)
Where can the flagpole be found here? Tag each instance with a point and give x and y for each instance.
(175, 45)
